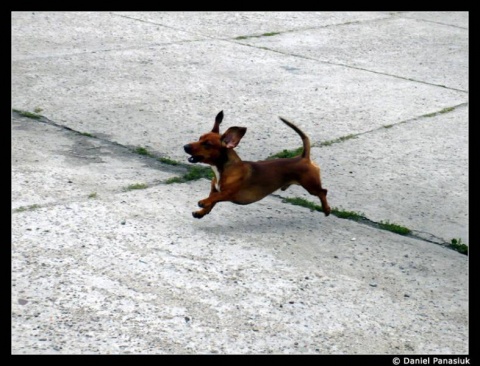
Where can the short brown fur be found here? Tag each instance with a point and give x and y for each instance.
(244, 182)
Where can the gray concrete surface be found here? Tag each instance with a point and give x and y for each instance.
(100, 268)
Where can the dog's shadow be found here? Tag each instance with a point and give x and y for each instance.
(244, 222)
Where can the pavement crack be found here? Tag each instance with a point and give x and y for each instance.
(341, 64)
(410, 120)
(167, 164)
(168, 27)
(379, 225)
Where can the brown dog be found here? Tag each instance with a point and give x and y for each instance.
(244, 182)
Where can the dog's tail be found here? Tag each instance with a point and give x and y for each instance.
(305, 139)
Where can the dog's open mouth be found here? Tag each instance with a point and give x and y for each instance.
(195, 158)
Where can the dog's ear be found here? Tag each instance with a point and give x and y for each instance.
(232, 136)
(218, 120)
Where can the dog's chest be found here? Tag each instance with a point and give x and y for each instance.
(217, 176)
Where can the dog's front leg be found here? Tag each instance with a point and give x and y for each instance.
(204, 211)
(206, 206)
(208, 203)
(203, 203)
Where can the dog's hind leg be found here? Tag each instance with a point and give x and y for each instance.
(313, 185)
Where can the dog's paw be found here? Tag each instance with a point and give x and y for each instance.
(197, 215)
(327, 211)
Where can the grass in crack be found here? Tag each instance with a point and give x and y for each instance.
(142, 151)
(340, 139)
(268, 34)
(348, 215)
(132, 187)
(456, 244)
(444, 110)
(298, 151)
(342, 214)
(394, 228)
(286, 154)
(27, 208)
(194, 173)
(27, 114)
(168, 161)
(298, 201)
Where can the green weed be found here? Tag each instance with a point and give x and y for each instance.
(298, 201)
(194, 173)
(348, 215)
(456, 244)
(142, 151)
(342, 214)
(394, 228)
(27, 114)
(168, 161)
(340, 139)
(286, 153)
(270, 34)
(27, 208)
(444, 110)
(132, 187)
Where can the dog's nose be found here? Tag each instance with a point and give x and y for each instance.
(187, 148)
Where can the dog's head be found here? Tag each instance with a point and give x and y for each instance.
(212, 147)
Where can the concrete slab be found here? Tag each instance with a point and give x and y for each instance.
(398, 46)
(165, 96)
(51, 164)
(265, 278)
(227, 25)
(455, 18)
(52, 34)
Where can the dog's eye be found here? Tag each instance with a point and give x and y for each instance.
(206, 144)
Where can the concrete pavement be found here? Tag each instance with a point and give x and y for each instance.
(102, 266)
